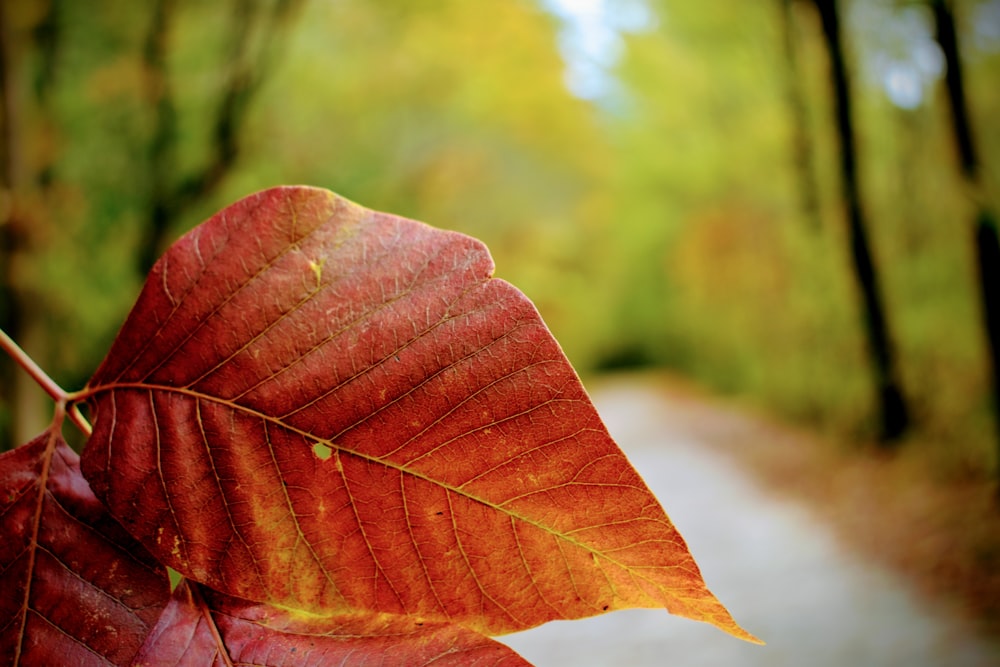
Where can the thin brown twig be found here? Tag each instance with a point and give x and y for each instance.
(34, 370)
(79, 420)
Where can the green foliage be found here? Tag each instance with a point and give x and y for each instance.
(758, 299)
(662, 228)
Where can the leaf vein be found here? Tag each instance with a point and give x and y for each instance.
(562, 536)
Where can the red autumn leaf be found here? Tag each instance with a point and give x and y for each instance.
(325, 408)
(203, 627)
(75, 589)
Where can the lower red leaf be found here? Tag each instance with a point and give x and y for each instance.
(75, 588)
(202, 627)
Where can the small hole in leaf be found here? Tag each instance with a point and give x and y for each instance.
(322, 451)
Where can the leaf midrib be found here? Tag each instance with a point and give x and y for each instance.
(151, 387)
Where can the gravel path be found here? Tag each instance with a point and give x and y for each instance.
(780, 571)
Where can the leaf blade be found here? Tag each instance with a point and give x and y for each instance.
(203, 627)
(468, 476)
(74, 587)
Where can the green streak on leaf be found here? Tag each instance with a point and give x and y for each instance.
(175, 578)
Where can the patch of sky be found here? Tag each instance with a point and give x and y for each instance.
(591, 41)
(986, 26)
(900, 54)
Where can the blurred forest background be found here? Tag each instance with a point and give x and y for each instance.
(663, 178)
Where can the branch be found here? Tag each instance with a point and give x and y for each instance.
(33, 369)
(79, 420)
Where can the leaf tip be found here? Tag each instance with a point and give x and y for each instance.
(731, 627)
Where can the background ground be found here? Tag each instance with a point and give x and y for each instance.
(830, 557)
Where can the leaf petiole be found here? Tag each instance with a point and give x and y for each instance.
(79, 420)
(57, 393)
(33, 369)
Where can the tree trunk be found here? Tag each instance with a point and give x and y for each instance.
(246, 69)
(892, 411)
(23, 183)
(985, 224)
(802, 152)
(10, 233)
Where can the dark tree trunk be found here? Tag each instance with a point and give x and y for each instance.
(802, 150)
(10, 233)
(24, 101)
(160, 155)
(892, 411)
(246, 69)
(985, 224)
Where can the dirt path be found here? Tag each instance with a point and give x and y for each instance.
(775, 557)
